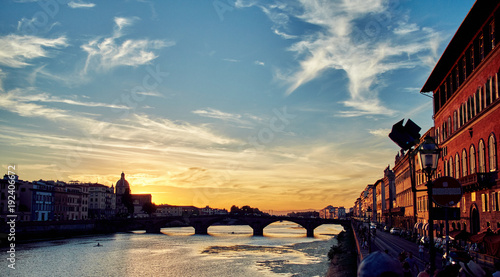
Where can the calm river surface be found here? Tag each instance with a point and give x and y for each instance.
(226, 251)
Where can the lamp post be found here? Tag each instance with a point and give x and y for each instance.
(369, 211)
(428, 155)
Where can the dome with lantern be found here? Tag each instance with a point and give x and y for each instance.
(122, 186)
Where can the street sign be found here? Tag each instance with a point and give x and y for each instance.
(405, 135)
(446, 191)
(440, 213)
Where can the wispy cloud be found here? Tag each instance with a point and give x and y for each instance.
(380, 132)
(231, 60)
(25, 102)
(245, 119)
(352, 36)
(17, 51)
(30, 26)
(93, 139)
(405, 28)
(259, 63)
(284, 35)
(177, 131)
(151, 93)
(110, 52)
(213, 113)
(47, 98)
(2, 77)
(11, 102)
(80, 4)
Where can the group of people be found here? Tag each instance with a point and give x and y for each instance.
(365, 236)
(381, 264)
(409, 264)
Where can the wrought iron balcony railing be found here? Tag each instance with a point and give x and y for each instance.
(478, 181)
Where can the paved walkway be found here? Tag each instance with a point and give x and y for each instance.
(394, 245)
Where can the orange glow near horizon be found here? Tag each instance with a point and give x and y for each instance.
(177, 189)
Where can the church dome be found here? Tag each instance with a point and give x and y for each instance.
(122, 185)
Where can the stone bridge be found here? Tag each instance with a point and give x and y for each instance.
(201, 223)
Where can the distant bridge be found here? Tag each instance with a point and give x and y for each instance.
(201, 223)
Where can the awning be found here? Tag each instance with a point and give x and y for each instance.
(460, 235)
(436, 226)
(418, 225)
(479, 237)
(492, 245)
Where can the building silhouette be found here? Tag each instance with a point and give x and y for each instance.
(128, 204)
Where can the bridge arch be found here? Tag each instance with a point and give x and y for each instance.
(257, 223)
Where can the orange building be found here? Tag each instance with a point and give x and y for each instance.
(465, 88)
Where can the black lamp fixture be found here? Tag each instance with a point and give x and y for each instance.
(428, 154)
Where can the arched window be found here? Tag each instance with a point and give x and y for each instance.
(465, 165)
(446, 168)
(455, 121)
(481, 162)
(495, 87)
(451, 167)
(477, 101)
(443, 127)
(488, 92)
(469, 110)
(460, 117)
(483, 98)
(472, 108)
(492, 153)
(449, 125)
(457, 166)
(472, 160)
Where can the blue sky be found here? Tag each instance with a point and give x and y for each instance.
(273, 104)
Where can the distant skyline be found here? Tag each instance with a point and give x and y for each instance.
(280, 105)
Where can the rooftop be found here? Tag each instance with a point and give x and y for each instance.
(474, 20)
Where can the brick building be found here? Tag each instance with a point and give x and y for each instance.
(465, 88)
(71, 200)
(389, 195)
(379, 199)
(403, 210)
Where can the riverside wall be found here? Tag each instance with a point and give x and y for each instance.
(34, 230)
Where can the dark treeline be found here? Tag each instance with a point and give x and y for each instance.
(246, 210)
(304, 214)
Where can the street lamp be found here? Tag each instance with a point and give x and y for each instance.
(428, 155)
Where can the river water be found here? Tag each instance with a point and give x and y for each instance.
(284, 250)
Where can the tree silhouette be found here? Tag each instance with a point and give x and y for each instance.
(149, 208)
(128, 202)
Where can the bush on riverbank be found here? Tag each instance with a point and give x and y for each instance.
(343, 256)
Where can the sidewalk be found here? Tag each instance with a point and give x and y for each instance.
(360, 236)
(394, 245)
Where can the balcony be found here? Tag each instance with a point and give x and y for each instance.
(478, 181)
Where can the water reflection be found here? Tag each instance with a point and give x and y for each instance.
(227, 251)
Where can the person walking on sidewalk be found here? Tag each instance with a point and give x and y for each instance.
(412, 263)
(421, 251)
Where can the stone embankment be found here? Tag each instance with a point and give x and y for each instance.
(343, 256)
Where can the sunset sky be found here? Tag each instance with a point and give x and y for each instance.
(280, 105)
